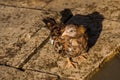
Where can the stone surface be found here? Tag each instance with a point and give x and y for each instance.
(29, 49)
(72, 4)
(18, 26)
(38, 4)
(7, 73)
(45, 59)
(109, 9)
(25, 50)
(107, 41)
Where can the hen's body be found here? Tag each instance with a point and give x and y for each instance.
(75, 43)
(68, 40)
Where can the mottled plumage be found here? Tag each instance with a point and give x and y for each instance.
(68, 40)
(56, 32)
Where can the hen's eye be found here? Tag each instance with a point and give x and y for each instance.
(71, 30)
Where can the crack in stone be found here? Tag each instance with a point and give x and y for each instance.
(12, 67)
(36, 31)
(19, 7)
(42, 9)
(33, 53)
(40, 46)
(44, 72)
(20, 69)
(23, 70)
(39, 9)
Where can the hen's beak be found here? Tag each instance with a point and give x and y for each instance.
(64, 33)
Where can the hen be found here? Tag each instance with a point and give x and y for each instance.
(68, 40)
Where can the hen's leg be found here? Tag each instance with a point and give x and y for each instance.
(70, 63)
(83, 56)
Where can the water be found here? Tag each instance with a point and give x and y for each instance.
(109, 71)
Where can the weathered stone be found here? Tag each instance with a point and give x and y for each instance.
(24, 41)
(29, 48)
(72, 4)
(45, 59)
(38, 4)
(17, 27)
(107, 42)
(109, 9)
(8, 73)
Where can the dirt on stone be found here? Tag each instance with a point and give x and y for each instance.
(25, 50)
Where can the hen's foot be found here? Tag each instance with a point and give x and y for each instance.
(70, 63)
(83, 56)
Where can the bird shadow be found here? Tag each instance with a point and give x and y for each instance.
(92, 22)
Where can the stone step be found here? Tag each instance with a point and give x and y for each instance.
(21, 32)
(105, 46)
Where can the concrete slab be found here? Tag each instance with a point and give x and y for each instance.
(105, 46)
(29, 49)
(34, 4)
(45, 59)
(109, 9)
(24, 42)
(17, 27)
(8, 73)
(72, 4)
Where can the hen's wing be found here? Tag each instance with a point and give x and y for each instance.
(83, 38)
(78, 44)
(83, 41)
(57, 40)
(56, 32)
(50, 22)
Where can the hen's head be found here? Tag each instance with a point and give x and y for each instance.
(74, 30)
(70, 30)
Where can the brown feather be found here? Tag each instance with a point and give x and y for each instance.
(69, 45)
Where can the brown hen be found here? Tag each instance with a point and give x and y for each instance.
(68, 40)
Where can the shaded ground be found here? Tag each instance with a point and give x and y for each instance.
(25, 51)
(106, 73)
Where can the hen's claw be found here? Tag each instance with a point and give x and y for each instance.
(70, 64)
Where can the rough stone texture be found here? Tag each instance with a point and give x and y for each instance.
(30, 48)
(25, 51)
(72, 4)
(104, 38)
(38, 4)
(45, 59)
(110, 9)
(17, 27)
(8, 73)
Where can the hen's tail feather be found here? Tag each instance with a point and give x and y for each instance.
(49, 22)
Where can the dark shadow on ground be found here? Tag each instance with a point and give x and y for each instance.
(93, 23)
